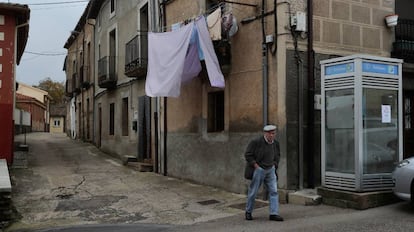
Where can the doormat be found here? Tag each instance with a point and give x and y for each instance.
(257, 204)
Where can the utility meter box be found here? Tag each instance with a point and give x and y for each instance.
(361, 122)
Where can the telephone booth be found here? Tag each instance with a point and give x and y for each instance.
(361, 122)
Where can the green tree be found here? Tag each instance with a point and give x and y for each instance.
(55, 89)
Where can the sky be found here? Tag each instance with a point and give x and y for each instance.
(51, 22)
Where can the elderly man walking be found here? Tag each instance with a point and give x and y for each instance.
(263, 154)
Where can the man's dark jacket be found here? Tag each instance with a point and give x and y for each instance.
(264, 154)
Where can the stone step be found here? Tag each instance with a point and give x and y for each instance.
(305, 197)
(142, 167)
(5, 184)
(356, 200)
(145, 166)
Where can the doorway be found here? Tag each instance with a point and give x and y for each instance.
(408, 114)
(144, 129)
(98, 142)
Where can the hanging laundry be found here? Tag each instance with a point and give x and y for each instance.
(173, 58)
(176, 26)
(214, 24)
(192, 65)
(229, 25)
(213, 67)
(166, 58)
(227, 22)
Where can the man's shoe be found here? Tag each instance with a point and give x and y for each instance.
(249, 216)
(275, 218)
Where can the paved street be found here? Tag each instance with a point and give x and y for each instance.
(69, 182)
(73, 186)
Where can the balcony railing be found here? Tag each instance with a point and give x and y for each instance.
(136, 56)
(85, 76)
(403, 47)
(106, 72)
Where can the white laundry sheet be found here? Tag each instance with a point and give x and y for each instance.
(173, 58)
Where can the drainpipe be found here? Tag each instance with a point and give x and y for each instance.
(311, 96)
(81, 88)
(265, 67)
(164, 25)
(156, 111)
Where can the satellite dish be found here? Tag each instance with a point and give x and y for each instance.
(234, 28)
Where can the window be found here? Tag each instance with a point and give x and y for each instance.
(380, 131)
(56, 123)
(211, 5)
(143, 30)
(339, 131)
(215, 120)
(111, 118)
(88, 63)
(113, 7)
(112, 53)
(99, 21)
(125, 119)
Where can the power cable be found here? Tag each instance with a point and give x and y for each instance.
(45, 54)
(53, 3)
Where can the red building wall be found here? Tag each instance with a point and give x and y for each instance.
(6, 87)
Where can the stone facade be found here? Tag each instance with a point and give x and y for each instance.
(340, 27)
(346, 27)
(80, 84)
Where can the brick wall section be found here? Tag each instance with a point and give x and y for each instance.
(356, 26)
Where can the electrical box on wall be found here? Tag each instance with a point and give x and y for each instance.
(269, 39)
(317, 102)
(298, 20)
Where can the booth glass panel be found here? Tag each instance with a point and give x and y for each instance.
(339, 131)
(380, 130)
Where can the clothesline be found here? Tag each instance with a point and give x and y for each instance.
(191, 19)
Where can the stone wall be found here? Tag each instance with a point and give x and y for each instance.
(344, 26)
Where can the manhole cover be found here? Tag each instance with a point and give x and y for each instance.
(242, 206)
(208, 202)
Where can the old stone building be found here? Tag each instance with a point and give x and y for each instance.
(106, 68)
(80, 82)
(274, 78)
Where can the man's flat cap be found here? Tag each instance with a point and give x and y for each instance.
(269, 128)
